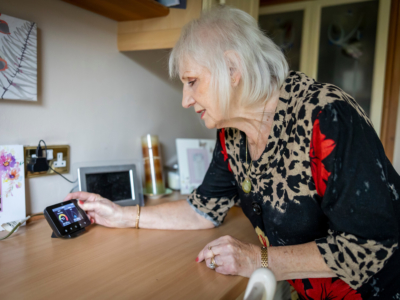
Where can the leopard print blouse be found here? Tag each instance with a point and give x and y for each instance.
(322, 177)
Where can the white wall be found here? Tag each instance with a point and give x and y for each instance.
(396, 156)
(91, 97)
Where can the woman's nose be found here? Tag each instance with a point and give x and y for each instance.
(187, 101)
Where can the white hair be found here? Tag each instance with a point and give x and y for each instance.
(262, 65)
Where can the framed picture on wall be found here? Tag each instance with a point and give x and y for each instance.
(18, 59)
(194, 157)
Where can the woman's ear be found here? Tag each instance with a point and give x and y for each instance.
(233, 63)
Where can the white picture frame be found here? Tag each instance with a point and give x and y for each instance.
(194, 158)
(12, 184)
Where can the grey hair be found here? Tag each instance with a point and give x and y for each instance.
(262, 64)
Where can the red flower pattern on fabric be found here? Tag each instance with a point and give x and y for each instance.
(326, 289)
(224, 152)
(264, 242)
(320, 148)
(299, 287)
(323, 288)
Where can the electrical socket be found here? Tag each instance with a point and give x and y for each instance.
(62, 167)
(60, 163)
(49, 155)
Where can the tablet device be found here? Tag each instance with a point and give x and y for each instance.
(66, 219)
(118, 183)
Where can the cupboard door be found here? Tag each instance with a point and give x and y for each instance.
(347, 48)
(288, 25)
(285, 29)
(343, 42)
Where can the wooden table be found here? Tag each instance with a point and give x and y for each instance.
(107, 263)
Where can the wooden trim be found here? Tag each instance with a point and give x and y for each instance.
(276, 2)
(392, 82)
(123, 10)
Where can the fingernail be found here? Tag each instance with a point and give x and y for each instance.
(80, 202)
(197, 259)
(91, 221)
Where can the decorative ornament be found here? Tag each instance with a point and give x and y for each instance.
(246, 185)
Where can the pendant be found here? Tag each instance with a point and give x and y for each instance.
(246, 185)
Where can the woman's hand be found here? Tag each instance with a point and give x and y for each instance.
(232, 256)
(102, 211)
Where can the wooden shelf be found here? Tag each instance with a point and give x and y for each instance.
(123, 10)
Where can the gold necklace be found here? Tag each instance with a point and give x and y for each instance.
(246, 184)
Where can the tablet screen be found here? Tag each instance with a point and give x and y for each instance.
(110, 185)
(67, 214)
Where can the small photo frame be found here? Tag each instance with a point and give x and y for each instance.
(194, 158)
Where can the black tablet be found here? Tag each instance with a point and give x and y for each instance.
(66, 219)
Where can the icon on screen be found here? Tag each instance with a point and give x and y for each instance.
(63, 217)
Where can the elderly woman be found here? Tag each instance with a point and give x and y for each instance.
(300, 157)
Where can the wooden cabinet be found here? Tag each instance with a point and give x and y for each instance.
(343, 42)
(163, 32)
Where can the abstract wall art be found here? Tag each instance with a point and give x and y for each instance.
(12, 184)
(18, 59)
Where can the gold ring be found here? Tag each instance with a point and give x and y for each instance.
(213, 262)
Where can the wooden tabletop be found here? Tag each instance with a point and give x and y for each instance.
(107, 263)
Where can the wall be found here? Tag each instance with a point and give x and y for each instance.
(92, 97)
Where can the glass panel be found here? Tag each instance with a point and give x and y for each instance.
(347, 48)
(285, 30)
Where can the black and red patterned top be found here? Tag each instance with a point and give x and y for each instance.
(322, 177)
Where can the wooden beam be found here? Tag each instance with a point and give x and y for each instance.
(392, 82)
(123, 10)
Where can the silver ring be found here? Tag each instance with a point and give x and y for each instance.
(213, 264)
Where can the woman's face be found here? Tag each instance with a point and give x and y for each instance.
(197, 92)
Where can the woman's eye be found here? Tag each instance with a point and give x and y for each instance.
(191, 82)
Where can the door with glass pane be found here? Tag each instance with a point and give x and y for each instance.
(342, 42)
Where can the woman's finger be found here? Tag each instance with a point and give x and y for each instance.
(218, 260)
(206, 252)
(88, 206)
(84, 196)
(92, 216)
(208, 262)
(220, 249)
